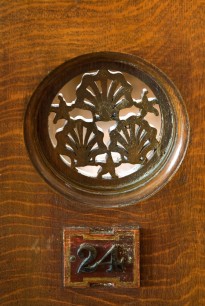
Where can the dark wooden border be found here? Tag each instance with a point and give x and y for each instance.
(133, 188)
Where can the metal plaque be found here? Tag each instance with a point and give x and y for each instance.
(101, 257)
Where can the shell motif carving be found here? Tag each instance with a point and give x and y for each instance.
(104, 100)
(134, 141)
(81, 142)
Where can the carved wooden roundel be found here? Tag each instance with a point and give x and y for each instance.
(106, 129)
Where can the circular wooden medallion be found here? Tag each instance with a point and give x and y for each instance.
(106, 129)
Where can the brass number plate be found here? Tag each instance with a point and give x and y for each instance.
(101, 257)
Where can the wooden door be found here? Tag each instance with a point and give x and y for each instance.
(37, 36)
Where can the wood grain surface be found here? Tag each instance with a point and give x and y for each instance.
(36, 36)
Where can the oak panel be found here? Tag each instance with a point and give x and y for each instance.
(36, 36)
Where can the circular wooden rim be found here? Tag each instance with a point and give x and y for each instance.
(174, 116)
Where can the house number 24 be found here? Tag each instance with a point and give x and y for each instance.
(88, 253)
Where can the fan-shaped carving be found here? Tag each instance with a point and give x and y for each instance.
(81, 142)
(133, 139)
(104, 94)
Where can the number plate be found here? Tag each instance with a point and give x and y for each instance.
(101, 257)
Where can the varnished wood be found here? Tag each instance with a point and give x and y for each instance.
(37, 36)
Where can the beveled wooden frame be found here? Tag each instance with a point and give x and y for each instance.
(104, 193)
